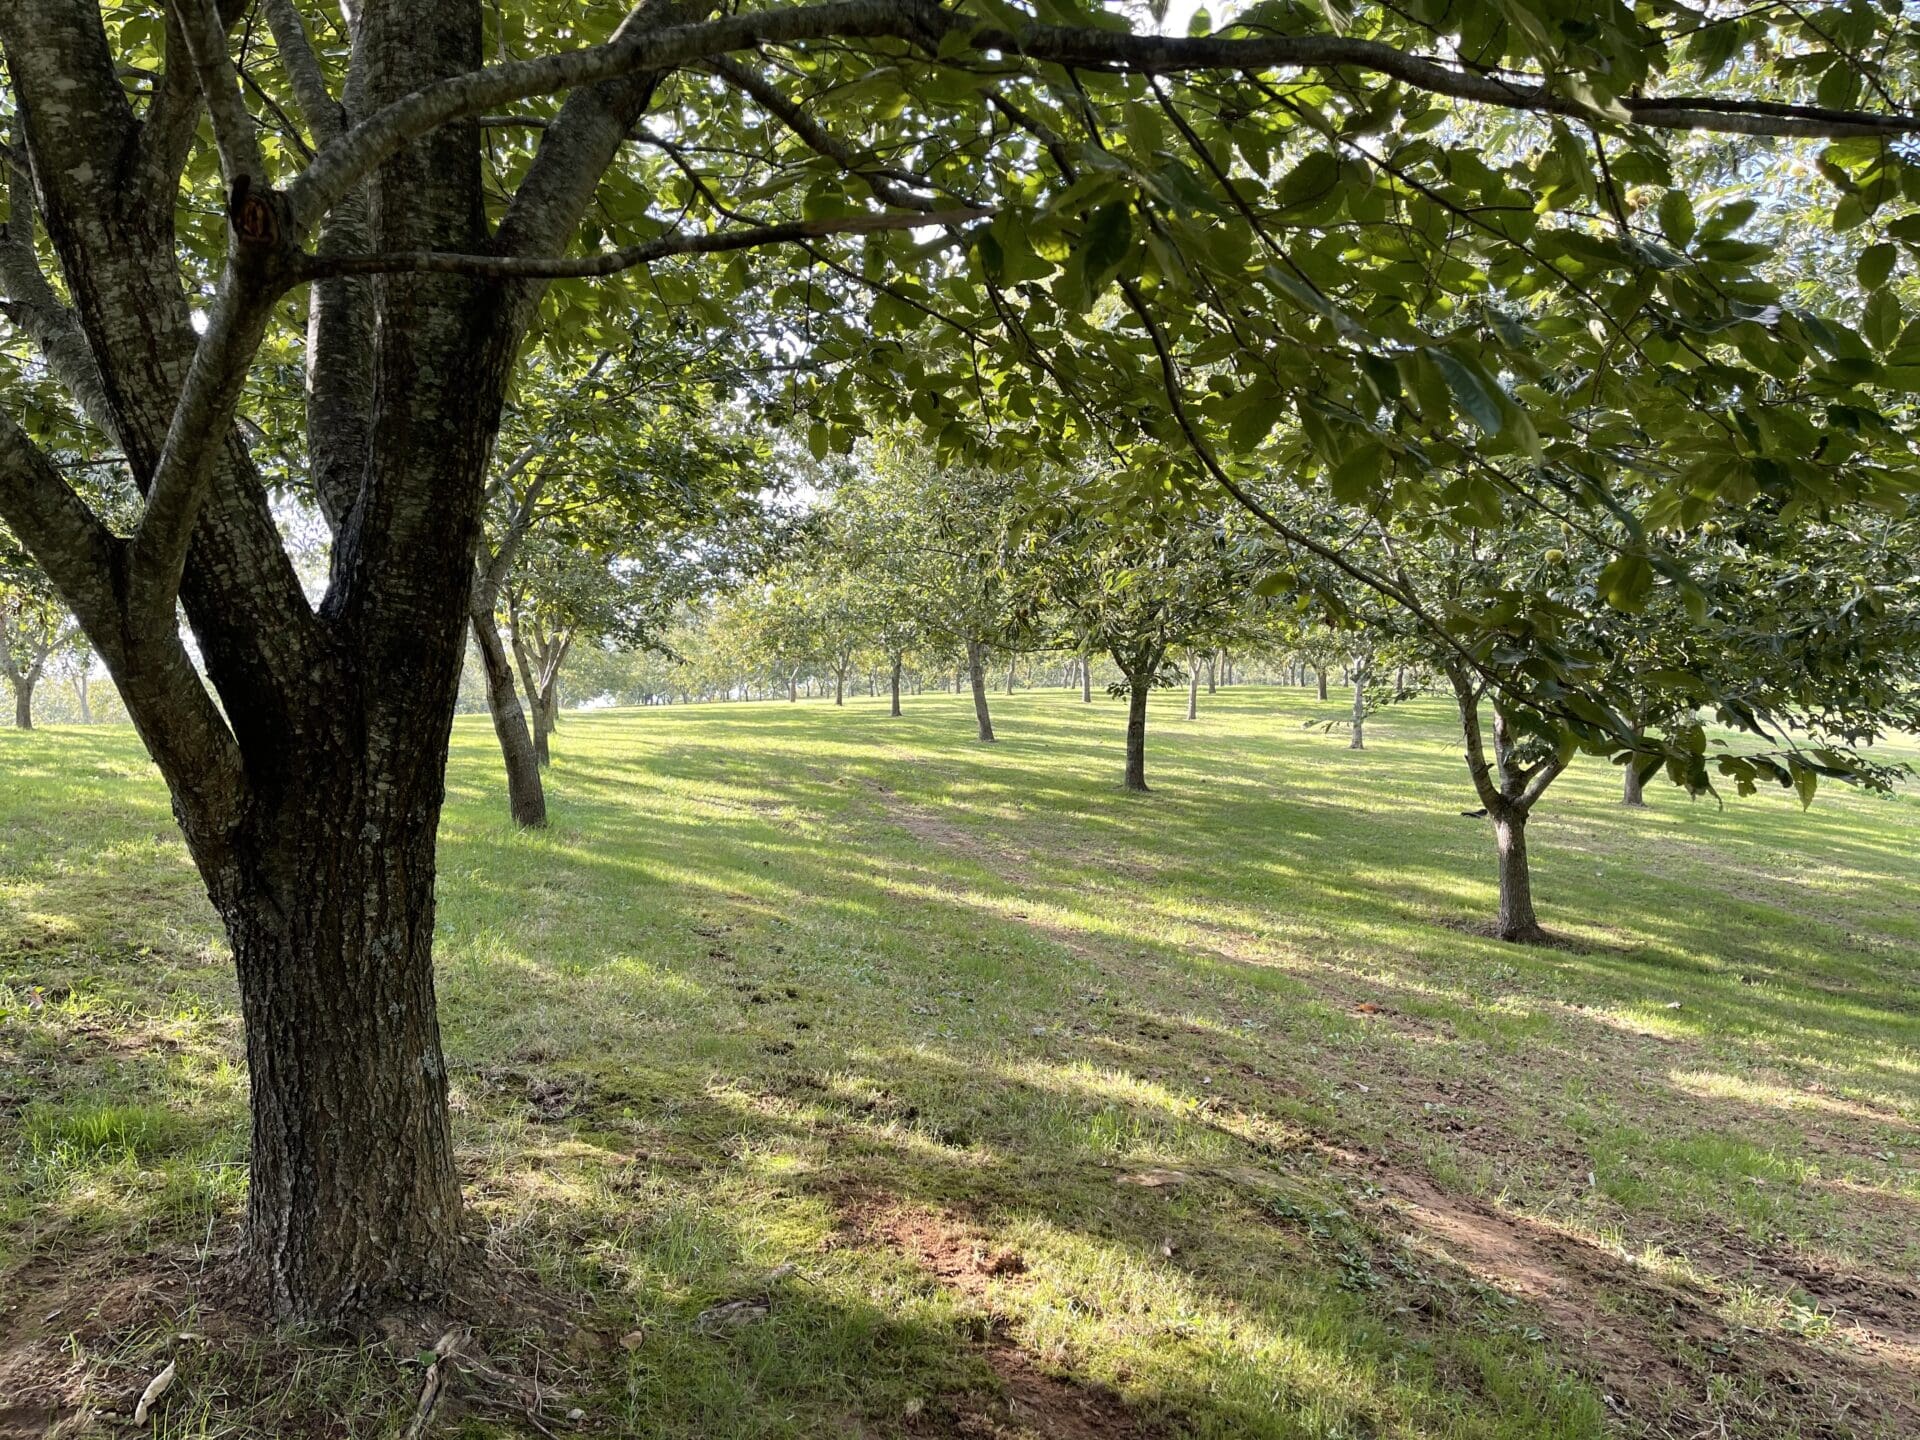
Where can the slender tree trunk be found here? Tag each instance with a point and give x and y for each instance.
(81, 681)
(1086, 679)
(1193, 689)
(1137, 694)
(526, 796)
(1011, 664)
(353, 1199)
(977, 672)
(793, 690)
(896, 684)
(1517, 921)
(1213, 673)
(1321, 673)
(1359, 740)
(1633, 793)
(839, 687)
(23, 703)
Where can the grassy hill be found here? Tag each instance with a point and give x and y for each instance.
(825, 1074)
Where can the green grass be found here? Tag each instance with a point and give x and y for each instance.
(818, 1007)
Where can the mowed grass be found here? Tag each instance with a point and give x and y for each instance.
(820, 1073)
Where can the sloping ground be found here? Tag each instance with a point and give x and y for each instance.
(826, 1074)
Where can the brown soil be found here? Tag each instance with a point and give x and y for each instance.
(1031, 1403)
(1651, 1342)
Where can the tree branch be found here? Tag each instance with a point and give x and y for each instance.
(343, 164)
(324, 116)
(234, 134)
(663, 247)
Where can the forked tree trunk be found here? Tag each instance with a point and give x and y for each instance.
(526, 796)
(1517, 921)
(896, 684)
(353, 1199)
(1137, 694)
(977, 672)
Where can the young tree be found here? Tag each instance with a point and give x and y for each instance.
(1143, 593)
(34, 628)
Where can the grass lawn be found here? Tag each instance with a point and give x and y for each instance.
(824, 1074)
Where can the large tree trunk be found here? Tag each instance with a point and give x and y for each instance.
(1517, 921)
(526, 796)
(896, 684)
(1137, 695)
(977, 673)
(353, 1198)
(23, 703)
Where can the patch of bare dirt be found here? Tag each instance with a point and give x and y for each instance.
(1652, 1343)
(1031, 1402)
(1034, 1405)
(957, 1254)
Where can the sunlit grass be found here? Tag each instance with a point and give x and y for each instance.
(787, 961)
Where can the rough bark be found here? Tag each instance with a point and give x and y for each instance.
(1137, 693)
(1320, 674)
(1632, 791)
(1516, 921)
(977, 673)
(1359, 738)
(353, 1198)
(23, 703)
(1508, 792)
(526, 795)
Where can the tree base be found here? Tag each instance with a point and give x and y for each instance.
(1530, 933)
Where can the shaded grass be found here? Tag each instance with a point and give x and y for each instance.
(775, 965)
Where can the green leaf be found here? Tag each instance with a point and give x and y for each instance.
(1875, 265)
(1676, 218)
(1477, 392)
(1805, 782)
(1626, 583)
(1880, 321)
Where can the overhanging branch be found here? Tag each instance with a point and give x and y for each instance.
(345, 162)
(611, 262)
